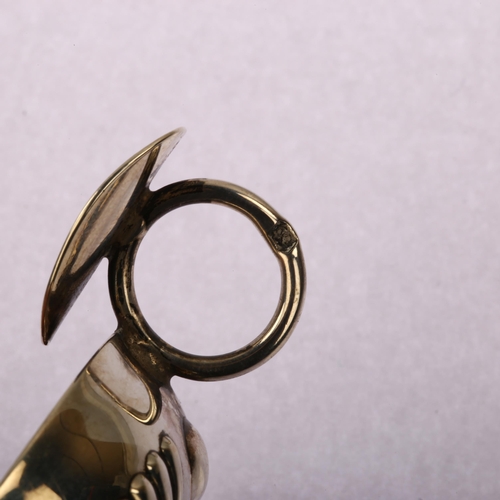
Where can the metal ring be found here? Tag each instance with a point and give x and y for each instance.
(283, 242)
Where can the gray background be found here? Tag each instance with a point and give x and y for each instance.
(373, 127)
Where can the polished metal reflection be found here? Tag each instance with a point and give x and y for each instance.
(119, 431)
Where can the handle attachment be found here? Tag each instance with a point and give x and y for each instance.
(113, 224)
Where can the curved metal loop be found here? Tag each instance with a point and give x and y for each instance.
(283, 242)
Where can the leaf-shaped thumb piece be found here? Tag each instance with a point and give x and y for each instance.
(92, 234)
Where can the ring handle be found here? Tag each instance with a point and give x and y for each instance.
(282, 240)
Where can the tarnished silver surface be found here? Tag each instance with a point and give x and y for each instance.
(119, 431)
